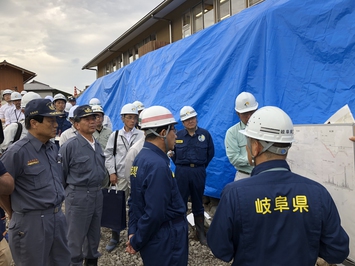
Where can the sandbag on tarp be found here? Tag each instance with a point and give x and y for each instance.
(297, 55)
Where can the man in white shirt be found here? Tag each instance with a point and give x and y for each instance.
(6, 95)
(117, 147)
(13, 129)
(14, 114)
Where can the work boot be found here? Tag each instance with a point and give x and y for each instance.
(90, 262)
(200, 229)
(114, 241)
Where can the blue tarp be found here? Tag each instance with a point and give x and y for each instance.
(297, 55)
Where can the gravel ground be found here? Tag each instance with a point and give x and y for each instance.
(198, 254)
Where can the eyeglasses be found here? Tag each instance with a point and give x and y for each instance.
(173, 130)
(135, 118)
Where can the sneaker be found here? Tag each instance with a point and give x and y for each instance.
(111, 245)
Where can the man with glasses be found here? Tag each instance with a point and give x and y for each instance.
(84, 170)
(235, 142)
(194, 149)
(37, 229)
(117, 147)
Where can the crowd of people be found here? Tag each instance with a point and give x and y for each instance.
(55, 151)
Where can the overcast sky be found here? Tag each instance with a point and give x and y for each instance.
(56, 38)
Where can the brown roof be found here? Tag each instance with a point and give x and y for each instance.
(27, 75)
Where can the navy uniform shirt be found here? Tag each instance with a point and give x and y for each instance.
(197, 149)
(37, 173)
(155, 196)
(82, 165)
(276, 217)
(63, 123)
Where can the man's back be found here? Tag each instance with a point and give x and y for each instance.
(278, 218)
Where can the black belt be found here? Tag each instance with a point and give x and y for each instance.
(175, 221)
(243, 172)
(192, 165)
(46, 211)
(84, 188)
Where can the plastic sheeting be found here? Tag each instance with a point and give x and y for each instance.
(297, 55)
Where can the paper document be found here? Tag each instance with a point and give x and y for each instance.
(191, 220)
(342, 116)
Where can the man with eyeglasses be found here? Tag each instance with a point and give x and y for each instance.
(235, 142)
(84, 170)
(38, 228)
(117, 147)
(194, 149)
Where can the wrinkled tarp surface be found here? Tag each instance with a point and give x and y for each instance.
(297, 55)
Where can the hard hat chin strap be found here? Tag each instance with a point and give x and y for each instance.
(153, 130)
(268, 146)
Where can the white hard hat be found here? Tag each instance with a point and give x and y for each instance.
(187, 112)
(6, 92)
(139, 105)
(67, 107)
(16, 96)
(245, 102)
(129, 108)
(97, 109)
(23, 92)
(140, 117)
(71, 111)
(94, 101)
(49, 97)
(29, 97)
(59, 96)
(270, 124)
(156, 116)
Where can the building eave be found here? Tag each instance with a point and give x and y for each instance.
(143, 24)
(27, 75)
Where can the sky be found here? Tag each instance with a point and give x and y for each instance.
(56, 38)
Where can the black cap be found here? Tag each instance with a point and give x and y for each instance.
(82, 111)
(71, 99)
(42, 107)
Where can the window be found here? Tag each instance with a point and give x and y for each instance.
(208, 13)
(197, 18)
(237, 6)
(125, 58)
(254, 2)
(107, 69)
(119, 61)
(136, 54)
(224, 9)
(130, 55)
(186, 25)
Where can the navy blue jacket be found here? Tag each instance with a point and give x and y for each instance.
(276, 217)
(155, 197)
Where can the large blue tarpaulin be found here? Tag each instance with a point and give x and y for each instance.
(297, 55)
